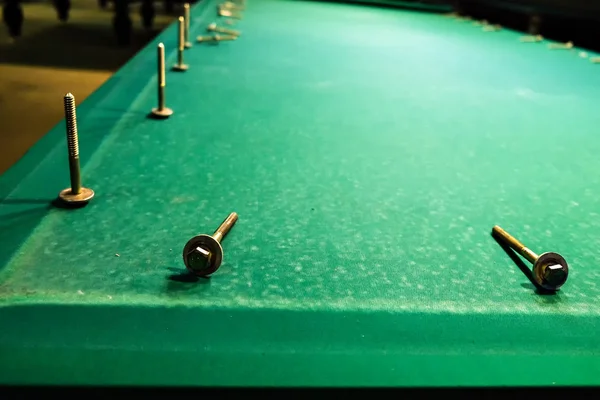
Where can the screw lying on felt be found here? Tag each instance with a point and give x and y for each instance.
(229, 13)
(228, 5)
(215, 38)
(550, 270)
(186, 14)
(203, 254)
(531, 38)
(561, 46)
(76, 194)
(214, 28)
(491, 28)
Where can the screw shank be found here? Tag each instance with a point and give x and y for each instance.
(181, 41)
(72, 143)
(225, 227)
(161, 77)
(515, 244)
(186, 8)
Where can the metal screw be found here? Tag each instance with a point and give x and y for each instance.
(180, 66)
(550, 270)
(186, 14)
(203, 254)
(228, 5)
(229, 13)
(76, 193)
(214, 28)
(215, 38)
(161, 111)
(491, 28)
(561, 46)
(531, 38)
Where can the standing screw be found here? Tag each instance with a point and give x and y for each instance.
(186, 14)
(161, 111)
(550, 270)
(203, 254)
(76, 194)
(180, 66)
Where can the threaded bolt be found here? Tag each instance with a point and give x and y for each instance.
(76, 193)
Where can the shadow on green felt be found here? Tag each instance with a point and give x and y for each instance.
(182, 276)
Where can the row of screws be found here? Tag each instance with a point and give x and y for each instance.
(203, 254)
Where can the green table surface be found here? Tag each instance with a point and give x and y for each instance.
(368, 153)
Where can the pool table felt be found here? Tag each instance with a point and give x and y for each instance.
(368, 153)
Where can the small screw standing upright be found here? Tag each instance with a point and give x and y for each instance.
(186, 14)
(203, 254)
(550, 270)
(161, 111)
(76, 194)
(180, 66)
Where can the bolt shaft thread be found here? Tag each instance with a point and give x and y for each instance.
(186, 9)
(181, 41)
(515, 244)
(72, 143)
(225, 227)
(161, 77)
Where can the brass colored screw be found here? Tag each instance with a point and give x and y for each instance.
(231, 6)
(492, 28)
(203, 254)
(214, 28)
(229, 13)
(215, 38)
(561, 46)
(180, 66)
(550, 270)
(186, 14)
(161, 111)
(76, 194)
(531, 38)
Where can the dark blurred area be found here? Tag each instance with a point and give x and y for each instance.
(51, 47)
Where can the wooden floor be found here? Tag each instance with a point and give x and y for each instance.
(52, 58)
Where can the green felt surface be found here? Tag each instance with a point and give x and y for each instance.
(368, 153)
